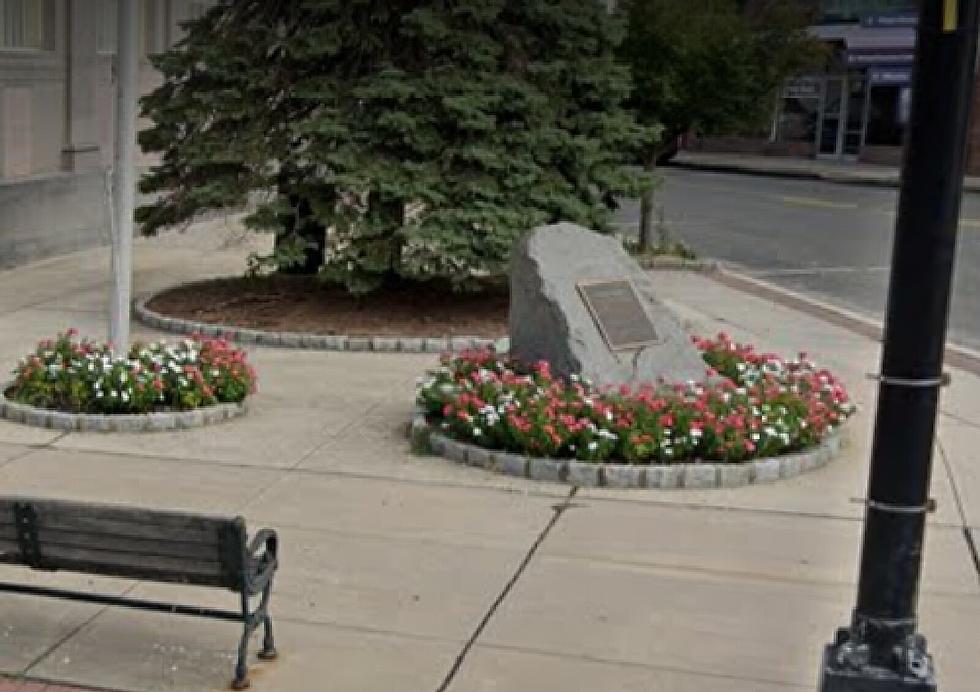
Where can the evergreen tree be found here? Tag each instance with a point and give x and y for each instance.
(422, 136)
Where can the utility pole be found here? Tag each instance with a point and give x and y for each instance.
(124, 172)
(882, 650)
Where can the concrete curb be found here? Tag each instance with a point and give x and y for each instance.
(124, 423)
(657, 476)
(312, 342)
(669, 263)
(956, 355)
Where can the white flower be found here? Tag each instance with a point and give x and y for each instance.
(593, 446)
(477, 432)
(125, 397)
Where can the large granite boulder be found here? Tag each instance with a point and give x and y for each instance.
(550, 320)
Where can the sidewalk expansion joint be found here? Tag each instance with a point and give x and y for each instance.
(32, 448)
(72, 632)
(558, 510)
(971, 545)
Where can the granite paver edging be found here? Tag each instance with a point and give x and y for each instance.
(96, 422)
(313, 342)
(660, 476)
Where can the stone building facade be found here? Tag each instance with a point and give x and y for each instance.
(57, 102)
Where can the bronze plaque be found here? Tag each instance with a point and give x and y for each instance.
(618, 313)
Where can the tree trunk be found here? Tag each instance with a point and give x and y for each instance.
(302, 224)
(646, 210)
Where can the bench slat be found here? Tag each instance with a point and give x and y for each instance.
(204, 535)
(8, 532)
(126, 545)
(129, 542)
(131, 565)
(146, 522)
(10, 547)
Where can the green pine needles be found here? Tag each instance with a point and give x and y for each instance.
(394, 139)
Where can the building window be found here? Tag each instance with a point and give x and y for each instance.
(797, 121)
(27, 24)
(888, 115)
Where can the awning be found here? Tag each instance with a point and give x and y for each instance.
(865, 46)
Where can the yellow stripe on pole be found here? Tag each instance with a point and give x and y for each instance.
(951, 19)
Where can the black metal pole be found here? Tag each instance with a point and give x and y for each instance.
(882, 651)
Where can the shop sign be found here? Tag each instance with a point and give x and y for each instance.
(896, 76)
(892, 20)
(864, 58)
(804, 88)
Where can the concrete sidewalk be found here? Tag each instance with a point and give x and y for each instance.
(846, 173)
(413, 574)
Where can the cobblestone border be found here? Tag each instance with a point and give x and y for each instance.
(659, 476)
(127, 423)
(313, 342)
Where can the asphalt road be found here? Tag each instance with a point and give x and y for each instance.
(827, 240)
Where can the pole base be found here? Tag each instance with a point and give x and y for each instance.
(846, 669)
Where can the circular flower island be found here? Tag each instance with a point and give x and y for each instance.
(755, 418)
(73, 384)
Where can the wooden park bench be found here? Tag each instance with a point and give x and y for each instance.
(148, 545)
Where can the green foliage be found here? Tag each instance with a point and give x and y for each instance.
(715, 65)
(756, 405)
(65, 374)
(424, 136)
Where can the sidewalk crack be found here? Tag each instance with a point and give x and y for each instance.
(971, 545)
(557, 510)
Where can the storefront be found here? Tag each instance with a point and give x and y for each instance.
(858, 109)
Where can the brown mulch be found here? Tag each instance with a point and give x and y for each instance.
(304, 304)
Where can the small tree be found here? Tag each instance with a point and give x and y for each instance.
(710, 66)
(408, 139)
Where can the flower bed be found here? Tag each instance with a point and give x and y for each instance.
(751, 405)
(79, 376)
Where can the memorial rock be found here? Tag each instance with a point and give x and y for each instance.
(580, 302)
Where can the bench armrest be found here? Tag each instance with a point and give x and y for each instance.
(266, 538)
(262, 555)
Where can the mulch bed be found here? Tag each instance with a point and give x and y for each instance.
(304, 304)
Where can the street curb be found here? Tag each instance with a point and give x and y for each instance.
(957, 356)
(701, 476)
(822, 176)
(118, 423)
(842, 177)
(311, 342)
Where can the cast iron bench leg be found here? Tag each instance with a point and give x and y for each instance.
(241, 681)
(268, 652)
